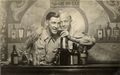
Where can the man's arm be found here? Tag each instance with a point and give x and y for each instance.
(82, 38)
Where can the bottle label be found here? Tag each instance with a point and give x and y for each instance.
(13, 35)
(21, 33)
(15, 60)
(83, 55)
(100, 34)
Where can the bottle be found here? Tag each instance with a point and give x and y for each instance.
(3, 29)
(70, 43)
(63, 51)
(116, 32)
(14, 56)
(24, 60)
(21, 33)
(64, 42)
(108, 31)
(28, 32)
(83, 56)
(100, 33)
(13, 33)
(75, 54)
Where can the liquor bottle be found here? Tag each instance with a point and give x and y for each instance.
(3, 29)
(83, 56)
(28, 32)
(63, 52)
(64, 42)
(13, 32)
(24, 60)
(108, 31)
(14, 56)
(100, 33)
(75, 55)
(116, 32)
(21, 33)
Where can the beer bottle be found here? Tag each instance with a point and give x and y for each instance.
(14, 56)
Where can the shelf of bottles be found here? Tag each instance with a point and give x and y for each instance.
(17, 33)
(108, 34)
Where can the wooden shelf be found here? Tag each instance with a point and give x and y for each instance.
(107, 41)
(16, 40)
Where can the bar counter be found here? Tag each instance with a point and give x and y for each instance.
(90, 69)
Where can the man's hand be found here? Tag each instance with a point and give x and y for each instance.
(87, 40)
(64, 33)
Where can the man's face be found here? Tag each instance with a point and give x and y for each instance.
(54, 22)
(65, 22)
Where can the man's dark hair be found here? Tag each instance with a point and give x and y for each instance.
(52, 14)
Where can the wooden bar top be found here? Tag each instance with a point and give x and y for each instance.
(89, 69)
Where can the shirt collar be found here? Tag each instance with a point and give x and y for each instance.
(47, 35)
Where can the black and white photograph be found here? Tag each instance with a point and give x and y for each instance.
(59, 37)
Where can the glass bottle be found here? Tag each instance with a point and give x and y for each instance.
(71, 52)
(13, 32)
(100, 33)
(64, 42)
(3, 29)
(75, 54)
(108, 31)
(64, 53)
(21, 33)
(83, 56)
(14, 56)
(24, 60)
(116, 32)
(29, 31)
